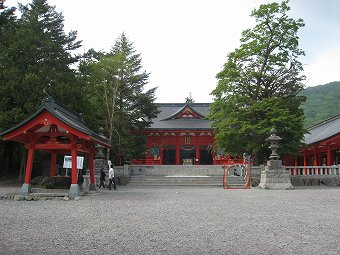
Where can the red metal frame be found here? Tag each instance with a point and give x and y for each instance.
(248, 175)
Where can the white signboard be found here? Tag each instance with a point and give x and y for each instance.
(68, 162)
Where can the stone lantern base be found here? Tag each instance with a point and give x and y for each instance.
(275, 176)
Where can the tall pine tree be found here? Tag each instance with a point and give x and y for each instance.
(117, 81)
(36, 54)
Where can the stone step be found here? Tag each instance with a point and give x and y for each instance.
(48, 194)
(176, 180)
(236, 181)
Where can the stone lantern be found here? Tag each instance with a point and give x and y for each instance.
(274, 144)
(100, 162)
(99, 147)
(274, 176)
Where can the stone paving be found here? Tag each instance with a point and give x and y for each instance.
(176, 220)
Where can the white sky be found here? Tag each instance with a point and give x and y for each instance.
(184, 43)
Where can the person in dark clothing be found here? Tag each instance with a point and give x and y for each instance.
(102, 178)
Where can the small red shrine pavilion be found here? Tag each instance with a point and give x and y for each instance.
(181, 134)
(57, 130)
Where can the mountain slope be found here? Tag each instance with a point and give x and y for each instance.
(322, 102)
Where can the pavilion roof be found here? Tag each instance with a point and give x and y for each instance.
(174, 116)
(63, 114)
(323, 130)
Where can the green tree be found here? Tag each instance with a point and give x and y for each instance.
(116, 84)
(259, 85)
(36, 54)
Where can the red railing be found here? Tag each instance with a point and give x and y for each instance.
(227, 161)
(148, 161)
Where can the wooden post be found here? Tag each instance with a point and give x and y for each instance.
(29, 164)
(296, 164)
(177, 151)
(315, 159)
(53, 164)
(197, 153)
(304, 161)
(329, 157)
(74, 172)
(161, 155)
(178, 159)
(91, 166)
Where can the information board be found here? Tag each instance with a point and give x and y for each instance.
(68, 162)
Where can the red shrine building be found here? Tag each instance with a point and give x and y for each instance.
(56, 130)
(323, 144)
(181, 134)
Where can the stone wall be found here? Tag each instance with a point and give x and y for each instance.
(217, 170)
(303, 180)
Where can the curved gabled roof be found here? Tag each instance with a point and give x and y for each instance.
(65, 115)
(323, 130)
(186, 112)
(170, 117)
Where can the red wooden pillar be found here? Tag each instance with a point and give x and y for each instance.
(91, 166)
(74, 172)
(53, 163)
(305, 161)
(29, 164)
(329, 155)
(329, 158)
(178, 159)
(316, 161)
(161, 155)
(197, 154)
(296, 164)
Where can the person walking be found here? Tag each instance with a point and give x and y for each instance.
(102, 178)
(112, 178)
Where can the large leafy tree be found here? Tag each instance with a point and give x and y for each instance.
(116, 82)
(259, 85)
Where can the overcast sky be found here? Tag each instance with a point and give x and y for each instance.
(184, 43)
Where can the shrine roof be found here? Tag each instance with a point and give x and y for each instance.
(174, 116)
(65, 115)
(323, 130)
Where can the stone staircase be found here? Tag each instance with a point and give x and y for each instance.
(141, 180)
(235, 182)
(178, 175)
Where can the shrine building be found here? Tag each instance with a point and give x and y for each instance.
(56, 130)
(181, 134)
(323, 144)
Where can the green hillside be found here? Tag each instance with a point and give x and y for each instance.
(322, 102)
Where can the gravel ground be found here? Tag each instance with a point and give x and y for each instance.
(176, 220)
